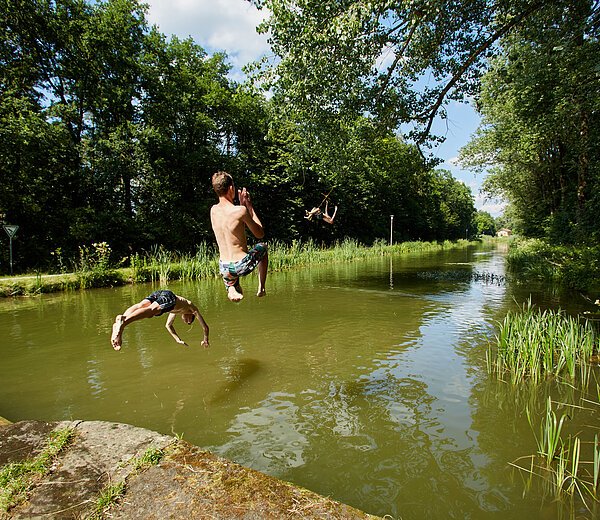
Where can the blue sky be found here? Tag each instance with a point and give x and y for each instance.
(230, 26)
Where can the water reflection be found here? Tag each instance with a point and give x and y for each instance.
(269, 437)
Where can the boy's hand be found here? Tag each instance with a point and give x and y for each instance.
(205, 343)
(181, 342)
(245, 198)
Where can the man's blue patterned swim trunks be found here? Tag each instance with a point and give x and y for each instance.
(231, 271)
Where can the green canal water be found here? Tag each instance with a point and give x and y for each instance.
(365, 382)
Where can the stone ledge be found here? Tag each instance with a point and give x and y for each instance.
(186, 483)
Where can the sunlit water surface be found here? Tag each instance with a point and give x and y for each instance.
(365, 381)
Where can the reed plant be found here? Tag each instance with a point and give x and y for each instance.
(284, 256)
(160, 264)
(535, 345)
(560, 465)
(549, 441)
(94, 269)
(140, 268)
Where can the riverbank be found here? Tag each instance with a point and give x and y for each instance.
(95, 270)
(113, 470)
(570, 267)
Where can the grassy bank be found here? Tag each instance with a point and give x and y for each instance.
(571, 267)
(95, 269)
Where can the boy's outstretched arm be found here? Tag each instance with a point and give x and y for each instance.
(199, 317)
(169, 326)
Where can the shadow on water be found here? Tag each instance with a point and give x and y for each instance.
(239, 372)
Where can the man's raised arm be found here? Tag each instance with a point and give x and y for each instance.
(251, 218)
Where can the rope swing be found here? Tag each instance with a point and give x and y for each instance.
(318, 214)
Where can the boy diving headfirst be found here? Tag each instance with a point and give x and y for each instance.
(156, 304)
(229, 223)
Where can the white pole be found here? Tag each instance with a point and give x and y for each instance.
(11, 263)
(391, 228)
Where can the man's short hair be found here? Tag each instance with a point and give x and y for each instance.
(221, 181)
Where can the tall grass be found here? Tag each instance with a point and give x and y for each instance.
(284, 256)
(93, 269)
(574, 267)
(535, 345)
(160, 264)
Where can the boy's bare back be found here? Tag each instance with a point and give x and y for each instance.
(183, 306)
(228, 223)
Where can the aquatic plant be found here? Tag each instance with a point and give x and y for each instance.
(535, 344)
(562, 470)
(549, 440)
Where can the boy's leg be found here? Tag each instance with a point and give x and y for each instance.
(144, 309)
(231, 281)
(263, 266)
(135, 307)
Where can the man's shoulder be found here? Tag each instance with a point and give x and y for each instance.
(227, 208)
(235, 211)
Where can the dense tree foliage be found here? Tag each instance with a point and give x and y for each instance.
(400, 62)
(486, 225)
(110, 131)
(540, 132)
(397, 61)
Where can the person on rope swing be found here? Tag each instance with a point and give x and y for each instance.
(229, 222)
(157, 304)
(316, 213)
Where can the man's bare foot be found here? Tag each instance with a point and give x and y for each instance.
(117, 330)
(261, 292)
(233, 294)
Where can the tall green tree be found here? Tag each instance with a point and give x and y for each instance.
(186, 106)
(36, 151)
(486, 225)
(397, 61)
(539, 135)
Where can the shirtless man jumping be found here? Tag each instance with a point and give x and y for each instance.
(229, 223)
(156, 304)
